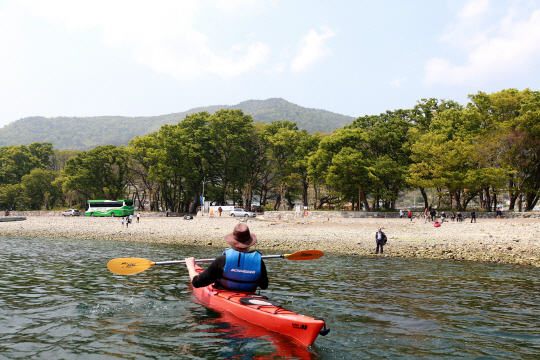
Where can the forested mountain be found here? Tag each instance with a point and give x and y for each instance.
(84, 133)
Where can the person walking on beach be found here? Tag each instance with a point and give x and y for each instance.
(410, 214)
(499, 212)
(401, 214)
(473, 215)
(380, 239)
(425, 215)
(122, 223)
(138, 217)
(220, 210)
(131, 218)
(127, 222)
(238, 269)
(433, 213)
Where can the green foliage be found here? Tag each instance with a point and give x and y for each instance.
(483, 150)
(11, 196)
(100, 173)
(40, 189)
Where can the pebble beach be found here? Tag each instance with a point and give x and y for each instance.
(508, 241)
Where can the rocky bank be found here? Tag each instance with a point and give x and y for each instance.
(510, 241)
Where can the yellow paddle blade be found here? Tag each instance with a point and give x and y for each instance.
(305, 255)
(128, 266)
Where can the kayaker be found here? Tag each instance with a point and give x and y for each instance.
(237, 269)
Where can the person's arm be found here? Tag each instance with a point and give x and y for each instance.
(190, 264)
(263, 283)
(210, 275)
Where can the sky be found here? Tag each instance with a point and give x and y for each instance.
(142, 58)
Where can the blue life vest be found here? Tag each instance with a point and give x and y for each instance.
(242, 271)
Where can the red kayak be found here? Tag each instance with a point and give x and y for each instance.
(259, 310)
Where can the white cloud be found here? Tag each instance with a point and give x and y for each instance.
(312, 48)
(160, 34)
(503, 50)
(397, 82)
(474, 9)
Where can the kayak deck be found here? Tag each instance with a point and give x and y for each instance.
(303, 329)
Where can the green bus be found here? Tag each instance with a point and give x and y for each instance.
(109, 208)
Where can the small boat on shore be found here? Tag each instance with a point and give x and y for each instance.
(12, 219)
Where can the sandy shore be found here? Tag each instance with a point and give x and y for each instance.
(511, 241)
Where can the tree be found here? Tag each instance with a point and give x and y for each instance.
(351, 147)
(40, 189)
(11, 196)
(99, 173)
(15, 162)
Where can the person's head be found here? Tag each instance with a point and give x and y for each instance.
(241, 238)
(380, 230)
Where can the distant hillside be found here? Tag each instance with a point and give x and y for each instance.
(84, 133)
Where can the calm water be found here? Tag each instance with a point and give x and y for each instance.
(59, 301)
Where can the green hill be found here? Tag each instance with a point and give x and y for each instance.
(84, 133)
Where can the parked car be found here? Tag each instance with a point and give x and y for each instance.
(242, 213)
(71, 212)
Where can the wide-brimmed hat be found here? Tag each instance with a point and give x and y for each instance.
(241, 237)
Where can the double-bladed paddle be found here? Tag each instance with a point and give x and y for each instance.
(128, 266)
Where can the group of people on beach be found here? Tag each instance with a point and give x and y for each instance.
(129, 220)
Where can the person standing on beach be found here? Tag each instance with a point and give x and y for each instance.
(473, 215)
(138, 217)
(220, 210)
(433, 213)
(499, 212)
(131, 218)
(401, 214)
(380, 238)
(122, 223)
(425, 216)
(410, 214)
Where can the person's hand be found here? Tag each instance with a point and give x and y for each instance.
(190, 262)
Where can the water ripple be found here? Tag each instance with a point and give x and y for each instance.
(58, 300)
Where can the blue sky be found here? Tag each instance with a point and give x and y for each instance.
(140, 58)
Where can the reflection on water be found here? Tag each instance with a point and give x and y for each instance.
(58, 300)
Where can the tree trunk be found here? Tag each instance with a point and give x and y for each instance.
(278, 202)
(193, 207)
(362, 195)
(424, 195)
(457, 197)
(305, 192)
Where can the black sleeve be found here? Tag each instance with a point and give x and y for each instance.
(263, 283)
(211, 274)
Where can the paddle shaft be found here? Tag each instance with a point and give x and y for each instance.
(208, 260)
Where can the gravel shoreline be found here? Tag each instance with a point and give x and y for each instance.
(509, 241)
